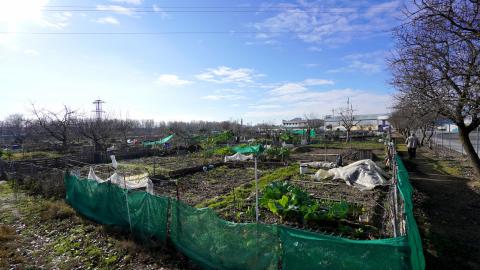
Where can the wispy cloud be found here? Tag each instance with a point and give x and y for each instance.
(223, 97)
(368, 63)
(298, 87)
(131, 2)
(171, 80)
(108, 20)
(225, 74)
(58, 20)
(116, 9)
(288, 106)
(315, 22)
(31, 52)
(160, 11)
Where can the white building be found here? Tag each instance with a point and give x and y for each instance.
(375, 122)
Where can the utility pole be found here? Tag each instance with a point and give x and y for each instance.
(98, 109)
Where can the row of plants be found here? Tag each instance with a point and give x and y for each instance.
(291, 203)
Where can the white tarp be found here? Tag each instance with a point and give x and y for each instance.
(114, 161)
(132, 182)
(238, 157)
(363, 174)
(319, 164)
(286, 145)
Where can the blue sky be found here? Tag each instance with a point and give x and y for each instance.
(197, 60)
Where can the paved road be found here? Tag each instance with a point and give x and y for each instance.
(452, 141)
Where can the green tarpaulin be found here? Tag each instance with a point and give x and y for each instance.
(160, 142)
(250, 149)
(303, 132)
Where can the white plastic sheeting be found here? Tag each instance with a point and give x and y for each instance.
(238, 157)
(319, 164)
(363, 174)
(125, 182)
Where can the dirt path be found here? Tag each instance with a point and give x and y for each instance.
(36, 233)
(447, 210)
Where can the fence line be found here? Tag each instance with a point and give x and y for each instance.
(214, 243)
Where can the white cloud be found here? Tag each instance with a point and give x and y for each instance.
(108, 20)
(160, 11)
(315, 22)
(116, 9)
(31, 52)
(223, 97)
(171, 80)
(368, 63)
(288, 89)
(311, 82)
(58, 20)
(320, 103)
(225, 74)
(298, 87)
(230, 91)
(131, 2)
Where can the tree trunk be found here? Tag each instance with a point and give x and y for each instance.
(469, 149)
(424, 134)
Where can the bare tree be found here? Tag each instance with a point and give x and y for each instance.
(57, 125)
(347, 119)
(14, 125)
(97, 131)
(124, 127)
(437, 62)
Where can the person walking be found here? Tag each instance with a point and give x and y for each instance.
(412, 144)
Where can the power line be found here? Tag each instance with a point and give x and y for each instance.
(194, 32)
(106, 9)
(214, 9)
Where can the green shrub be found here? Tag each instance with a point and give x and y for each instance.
(277, 153)
(223, 151)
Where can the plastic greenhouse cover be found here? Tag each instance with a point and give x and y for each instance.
(251, 149)
(162, 141)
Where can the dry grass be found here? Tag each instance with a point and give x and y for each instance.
(56, 210)
(7, 233)
(129, 246)
(8, 248)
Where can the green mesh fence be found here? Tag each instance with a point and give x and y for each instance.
(217, 244)
(105, 203)
(214, 243)
(307, 250)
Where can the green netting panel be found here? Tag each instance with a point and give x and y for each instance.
(148, 215)
(308, 250)
(303, 132)
(160, 142)
(105, 203)
(416, 257)
(217, 244)
(251, 149)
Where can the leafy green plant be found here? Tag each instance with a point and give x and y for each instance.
(290, 202)
(277, 153)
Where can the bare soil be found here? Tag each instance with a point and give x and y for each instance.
(201, 186)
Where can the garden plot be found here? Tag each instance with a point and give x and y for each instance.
(199, 187)
(307, 153)
(328, 206)
(162, 167)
